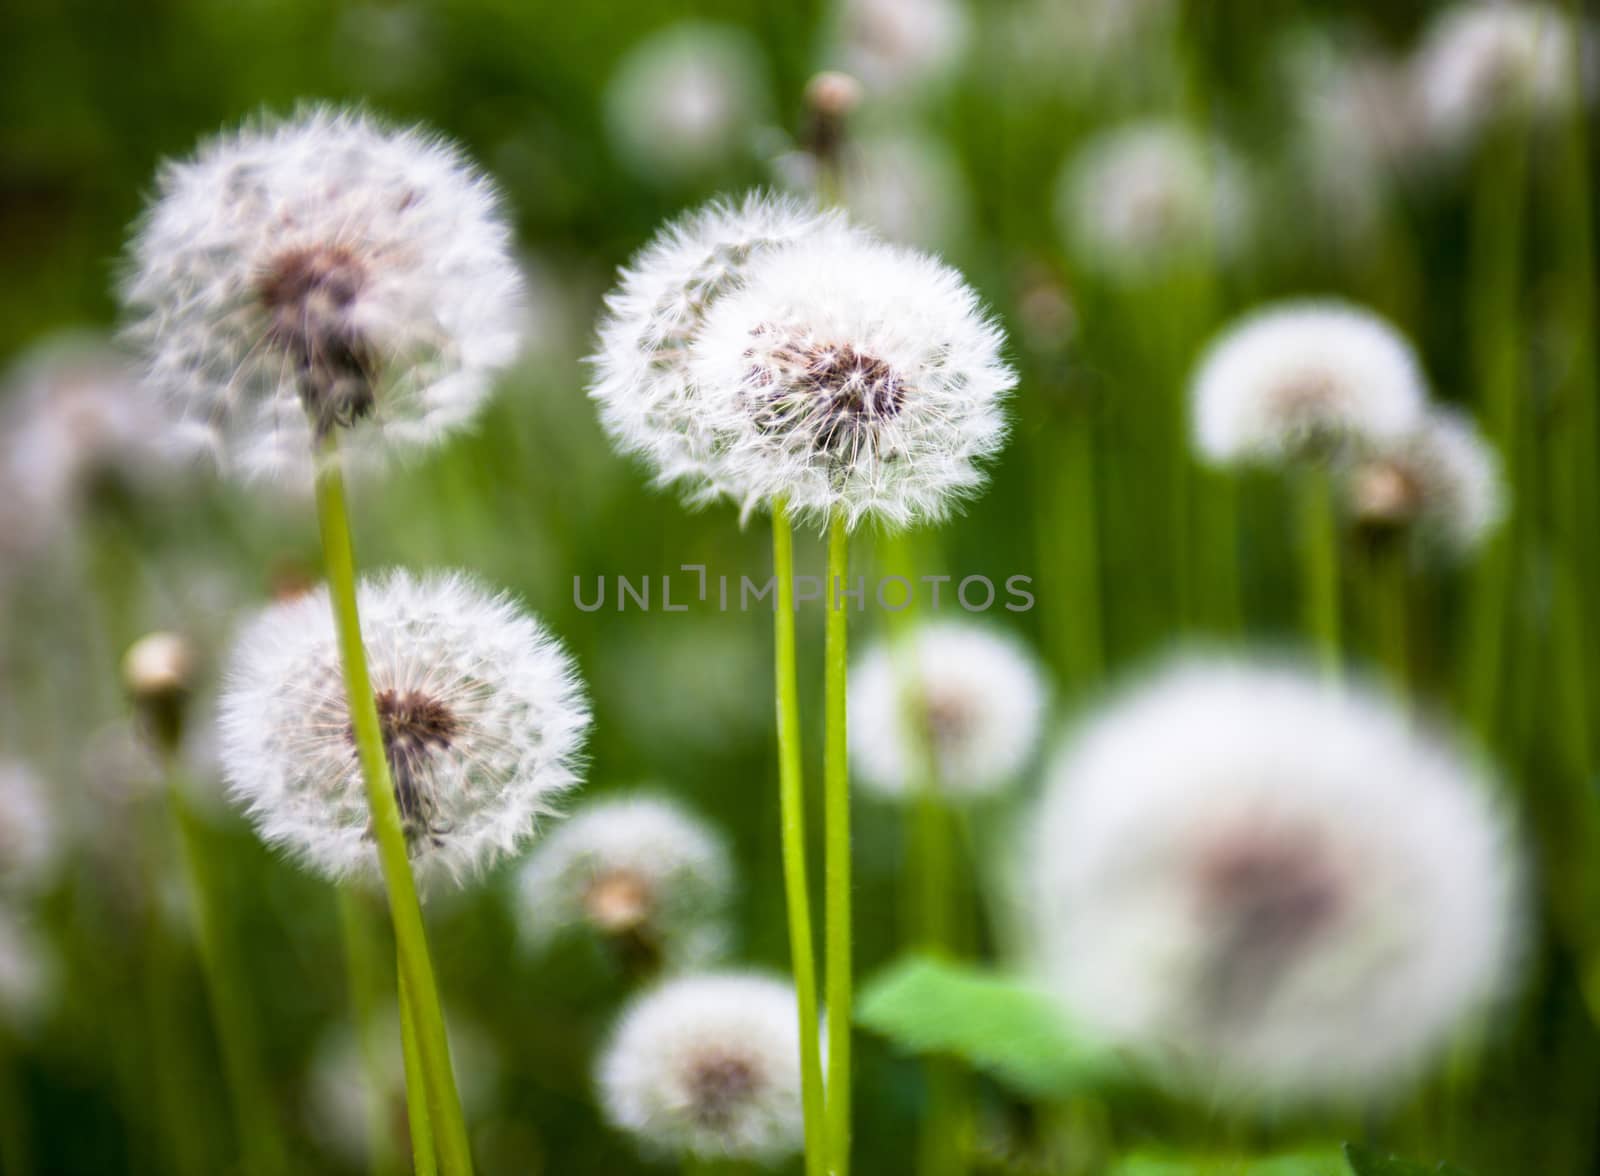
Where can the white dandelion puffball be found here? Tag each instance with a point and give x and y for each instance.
(29, 971)
(687, 100)
(899, 46)
(1137, 199)
(964, 699)
(481, 710)
(1271, 886)
(322, 273)
(638, 867)
(1443, 478)
(31, 835)
(1482, 62)
(708, 1065)
(852, 377)
(649, 405)
(1299, 378)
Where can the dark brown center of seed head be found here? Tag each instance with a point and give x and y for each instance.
(719, 1083)
(308, 295)
(617, 902)
(949, 720)
(1385, 494)
(414, 725)
(835, 392)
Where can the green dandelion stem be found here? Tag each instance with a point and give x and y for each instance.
(836, 820)
(1318, 543)
(416, 969)
(791, 795)
(367, 979)
(419, 1119)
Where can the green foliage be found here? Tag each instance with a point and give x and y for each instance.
(1364, 1161)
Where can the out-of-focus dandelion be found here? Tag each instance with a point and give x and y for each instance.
(1442, 480)
(854, 379)
(1481, 63)
(649, 404)
(1138, 199)
(1272, 887)
(32, 839)
(969, 697)
(1082, 46)
(638, 870)
(687, 100)
(1302, 379)
(480, 708)
(902, 46)
(320, 273)
(707, 1066)
(28, 970)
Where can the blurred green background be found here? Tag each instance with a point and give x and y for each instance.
(93, 96)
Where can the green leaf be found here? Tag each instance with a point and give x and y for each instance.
(994, 1023)
(1366, 1162)
(1315, 1163)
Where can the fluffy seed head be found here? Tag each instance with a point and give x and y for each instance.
(638, 868)
(1139, 198)
(854, 377)
(1442, 478)
(481, 712)
(648, 403)
(28, 972)
(1270, 886)
(1303, 379)
(709, 1066)
(31, 836)
(687, 100)
(322, 272)
(897, 46)
(967, 695)
(1483, 62)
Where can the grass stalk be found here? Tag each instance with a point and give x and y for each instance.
(1318, 545)
(791, 795)
(405, 911)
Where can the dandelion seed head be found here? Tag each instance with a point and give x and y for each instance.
(480, 708)
(687, 100)
(317, 273)
(28, 973)
(1442, 478)
(648, 402)
(1480, 63)
(32, 836)
(971, 697)
(1139, 198)
(1270, 886)
(851, 376)
(637, 866)
(900, 46)
(708, 1065)
(1303, 379)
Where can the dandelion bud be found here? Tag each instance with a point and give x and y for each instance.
(640, 870)
(157, 672)
(322, 273)
(480, 709)
(1303, 380)
(708, 1066)
(831, 98)
(1272, 887)
(961, 703)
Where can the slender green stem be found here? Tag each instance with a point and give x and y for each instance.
(1070, 546)
(367, 981)
(1390, 606)
(1318, 543)
(419, 1118)
(791, 795)
(836, 798)
(260, 1144)
(416, 969)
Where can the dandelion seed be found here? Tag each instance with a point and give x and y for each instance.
(850, 376)
(637, 869)
(708, 1066)
(32, 838)
(1273, 887)
(1140, 198)
(480, 708)
(1299, 380)
(900, 46)
(1443, 479)
(1482, 63)
(649, 405)
(969, 696)
(321, 273)
(687, 100)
